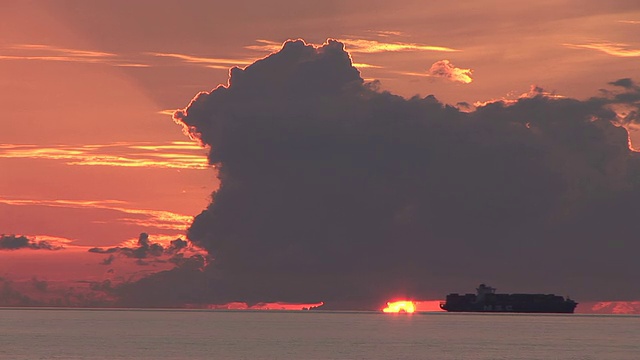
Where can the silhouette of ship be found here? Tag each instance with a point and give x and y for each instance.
(486, 300)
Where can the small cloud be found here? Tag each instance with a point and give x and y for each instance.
(108, 260)
(13, 242)
(465, 106)
(614, 49)
(626, 83)
(445, 69)
(633, 22)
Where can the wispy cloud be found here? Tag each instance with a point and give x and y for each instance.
(411, 73)
(169, 112)
(159, 219)
(614, 49)
(445, 69)
(386, 33)
(355, 45)
(64, 51)
(634, 22)
(366, 66)
(216, 63)
(360, 46)
(374, 46)
(42, 52)
(173, 155)
(265, 45)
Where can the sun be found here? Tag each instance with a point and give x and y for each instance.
(400, 306)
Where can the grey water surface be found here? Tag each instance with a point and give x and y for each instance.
(199, 334)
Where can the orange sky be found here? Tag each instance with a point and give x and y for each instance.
(89, 153)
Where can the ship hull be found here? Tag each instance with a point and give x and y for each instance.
(488, 301)
(566, 309)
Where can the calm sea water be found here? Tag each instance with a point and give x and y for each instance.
(193, 334)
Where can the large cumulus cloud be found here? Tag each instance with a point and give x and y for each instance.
(334, 191)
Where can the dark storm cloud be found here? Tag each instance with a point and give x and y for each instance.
(334, 191)
(13, 242)
(145, 249)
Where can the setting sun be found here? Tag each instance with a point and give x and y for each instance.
(400, 306)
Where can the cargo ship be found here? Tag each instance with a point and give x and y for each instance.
(486, 300)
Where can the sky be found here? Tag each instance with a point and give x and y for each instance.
(342, 180)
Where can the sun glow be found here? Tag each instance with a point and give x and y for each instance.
(400, 306)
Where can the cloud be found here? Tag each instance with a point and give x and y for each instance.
(360, 46)
(374, 46)
(9, 296)
(159, 219)
(387, 33)
(43, 52)
(36, 292)
(367, 66)
(215, 63)
(145, 249)
(626, 83)
(106, 261)
(71, 52)
(174, 155)
(142, 251)
(13, 242)
(40, 285)
(614, 49)
(183, 285)
(51, 53)
(331, 190)
(616, 307)
(445, 69)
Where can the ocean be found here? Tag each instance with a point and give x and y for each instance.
(252, 335)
